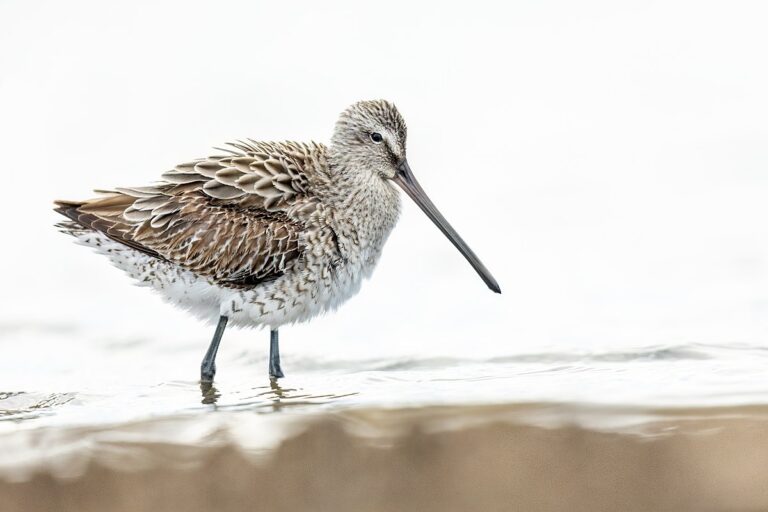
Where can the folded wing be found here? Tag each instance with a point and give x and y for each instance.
(234, 218)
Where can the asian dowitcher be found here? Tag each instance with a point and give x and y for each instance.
(265, 233)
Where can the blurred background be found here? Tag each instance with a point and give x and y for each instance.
(607, 161)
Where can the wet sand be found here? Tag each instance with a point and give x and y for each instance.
(505, 457)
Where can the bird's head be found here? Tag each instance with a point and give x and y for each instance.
(370, 137)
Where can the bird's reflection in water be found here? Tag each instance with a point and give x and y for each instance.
(272, 397)
(278, 395)
(274, 393)
(209, 392)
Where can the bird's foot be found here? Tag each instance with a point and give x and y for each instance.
(207, 373)
(276, 373)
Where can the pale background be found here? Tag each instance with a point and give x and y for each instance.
(607, 161)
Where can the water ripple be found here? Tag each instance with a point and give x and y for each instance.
(19, 405)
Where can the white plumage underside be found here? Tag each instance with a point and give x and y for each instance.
(270, 304)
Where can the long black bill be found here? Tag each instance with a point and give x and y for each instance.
(407, 182)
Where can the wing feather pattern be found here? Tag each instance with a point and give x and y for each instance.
(234, 218)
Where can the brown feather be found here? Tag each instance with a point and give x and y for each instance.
(234, 219)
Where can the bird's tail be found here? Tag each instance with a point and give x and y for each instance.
(69, 209)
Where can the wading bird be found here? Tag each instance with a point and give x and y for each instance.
(265, 233)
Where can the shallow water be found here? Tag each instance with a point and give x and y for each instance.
(71, 378)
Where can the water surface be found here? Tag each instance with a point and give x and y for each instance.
(72, 378)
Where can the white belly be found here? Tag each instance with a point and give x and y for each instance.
(294, 297)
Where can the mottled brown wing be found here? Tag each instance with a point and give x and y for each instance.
(236, 219)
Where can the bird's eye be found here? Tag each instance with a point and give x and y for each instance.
(376, 138)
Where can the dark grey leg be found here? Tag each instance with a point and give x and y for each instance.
(274, 356)
(208, 366)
